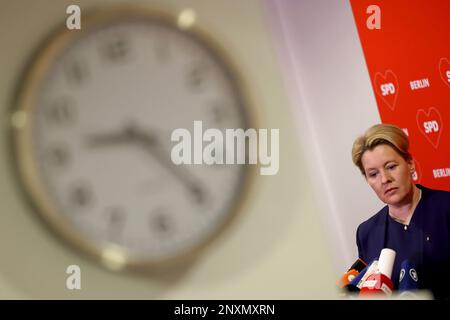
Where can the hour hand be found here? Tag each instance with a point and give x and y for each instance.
(105, 139)
(129, 134)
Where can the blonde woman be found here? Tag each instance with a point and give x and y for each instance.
(415, 222)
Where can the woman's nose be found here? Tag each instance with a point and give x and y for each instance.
(385, 176)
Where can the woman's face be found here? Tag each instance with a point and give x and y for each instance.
(388, 174)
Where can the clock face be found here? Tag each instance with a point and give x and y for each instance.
(94, 143)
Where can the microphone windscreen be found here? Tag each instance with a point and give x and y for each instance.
(377, 283)
(347, 277)
(386, 262)
(351, 273)
(353, 285)
(409, 279)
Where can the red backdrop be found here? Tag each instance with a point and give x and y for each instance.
(408, 60)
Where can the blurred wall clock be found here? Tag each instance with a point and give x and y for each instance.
(91, 136)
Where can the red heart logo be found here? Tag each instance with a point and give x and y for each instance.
(386, 86)
(444, 70)
(430, 124)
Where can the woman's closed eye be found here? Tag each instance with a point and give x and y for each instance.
(391, 166)
(372, 174)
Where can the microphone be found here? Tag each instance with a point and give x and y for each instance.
(356, 284)
(352, 272)
(408, 281)
(380, 281)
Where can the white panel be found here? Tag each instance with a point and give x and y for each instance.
(333, 102)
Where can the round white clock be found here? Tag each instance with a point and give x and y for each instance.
(92, 132)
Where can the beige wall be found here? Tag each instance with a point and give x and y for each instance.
(276, 249)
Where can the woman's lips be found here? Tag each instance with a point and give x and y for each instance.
(390, 191)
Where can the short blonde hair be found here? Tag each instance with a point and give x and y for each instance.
(377, 135)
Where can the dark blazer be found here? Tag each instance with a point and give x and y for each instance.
(426, 241)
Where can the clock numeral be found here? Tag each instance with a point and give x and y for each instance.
(57, 156)
(197, 194)
(60, 111)
(160, 222)
(196, 77)
(116, 49)
(116, 223)
(219, 112)
(80, 196)
(76, 72)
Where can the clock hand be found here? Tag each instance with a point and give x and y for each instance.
(105, 139)
(132, 134)
(151, 145)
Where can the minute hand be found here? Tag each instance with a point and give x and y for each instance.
(151, 145)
